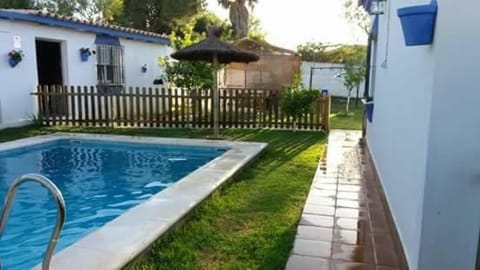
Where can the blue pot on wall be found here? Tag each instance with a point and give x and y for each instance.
(84, 56)
(418, 23)
(12, 62)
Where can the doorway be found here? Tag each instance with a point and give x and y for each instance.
(50, 73)
(49, 62)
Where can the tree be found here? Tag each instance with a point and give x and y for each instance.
(345, 53)
(104, 10)
(205, 20)
(319, 52)
(357, 15)
(109, 10)
(17, 4)
(313, 51)
(255, 29)
(65, 7)
(239, 15)
(62, 7)
(188, 74)
(297, 103)
(159, 16)
(355, 70)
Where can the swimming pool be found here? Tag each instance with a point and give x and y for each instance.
(101, 178)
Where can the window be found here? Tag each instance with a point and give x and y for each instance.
(110, 65)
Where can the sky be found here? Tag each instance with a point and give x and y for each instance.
(290, 23)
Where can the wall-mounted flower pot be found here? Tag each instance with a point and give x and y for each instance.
(84, 56)
(418, 23)
(12, 62)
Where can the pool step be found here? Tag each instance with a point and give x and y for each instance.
(61, 211)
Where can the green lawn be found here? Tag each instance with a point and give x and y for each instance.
(340, 120)
(251, 222)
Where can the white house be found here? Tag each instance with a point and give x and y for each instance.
(424, 135)
(51, 47)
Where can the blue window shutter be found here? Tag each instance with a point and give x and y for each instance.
(107, 40)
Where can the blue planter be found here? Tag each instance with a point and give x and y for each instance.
(369, 110)
(418, 23)
(84, 56)
(12, 62)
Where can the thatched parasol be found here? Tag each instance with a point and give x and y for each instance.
(215, 51)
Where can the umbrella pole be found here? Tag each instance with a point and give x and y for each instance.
(216, 132)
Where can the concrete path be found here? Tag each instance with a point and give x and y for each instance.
(346, 223)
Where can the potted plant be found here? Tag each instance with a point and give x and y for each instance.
(144, 68)
(85, 54)
(418, 23)
(15, 57)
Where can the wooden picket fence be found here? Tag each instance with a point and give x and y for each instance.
(170, 108)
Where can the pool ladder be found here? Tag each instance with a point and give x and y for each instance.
(61, 211)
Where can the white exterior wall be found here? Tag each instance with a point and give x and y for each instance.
(138, 54)
(424, 137)
(398, 135)
(452, 193)
(16, 103)
(326, 78)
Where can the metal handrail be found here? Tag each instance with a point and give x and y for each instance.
(61, 211)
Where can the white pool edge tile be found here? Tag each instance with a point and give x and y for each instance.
(141, 225)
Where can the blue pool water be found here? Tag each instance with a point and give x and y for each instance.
(99, 181)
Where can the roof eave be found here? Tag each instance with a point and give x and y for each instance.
(83, 27)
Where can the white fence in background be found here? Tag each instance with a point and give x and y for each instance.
(329, 76)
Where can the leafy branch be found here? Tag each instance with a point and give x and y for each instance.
(357, 15)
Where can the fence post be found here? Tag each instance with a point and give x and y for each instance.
(39, 100)
(326, 112)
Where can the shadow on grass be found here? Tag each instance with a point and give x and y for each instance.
(339, 119)
(251, 223)
(248, 224)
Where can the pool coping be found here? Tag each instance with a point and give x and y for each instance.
(121, 240)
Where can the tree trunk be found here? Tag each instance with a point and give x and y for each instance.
(348, 100)
(239, 18)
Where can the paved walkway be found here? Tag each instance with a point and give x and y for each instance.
(345, 223)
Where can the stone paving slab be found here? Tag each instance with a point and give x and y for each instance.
(307, 263)
(345, 222)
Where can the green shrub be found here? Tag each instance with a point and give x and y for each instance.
(297, 103)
